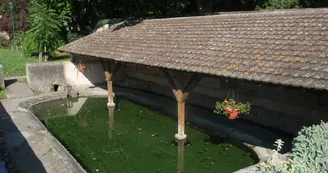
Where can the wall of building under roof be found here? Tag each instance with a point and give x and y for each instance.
(287, 109)
(283, 108)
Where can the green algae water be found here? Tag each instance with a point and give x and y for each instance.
(134, 139)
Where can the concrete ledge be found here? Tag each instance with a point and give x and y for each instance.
(43, 76)
(64, 155)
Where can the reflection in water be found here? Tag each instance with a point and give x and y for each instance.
(111, 122)
(181, 147)
(74, 105)
(69, 102)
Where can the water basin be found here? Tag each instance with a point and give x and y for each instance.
(133, 138)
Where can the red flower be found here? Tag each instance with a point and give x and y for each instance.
(229, 109)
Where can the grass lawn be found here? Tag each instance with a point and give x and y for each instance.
(13, 62)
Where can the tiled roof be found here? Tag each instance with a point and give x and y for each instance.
(287, 47)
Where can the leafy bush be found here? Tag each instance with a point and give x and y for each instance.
(309, 153)
(4, 43)
(45, 28)
(3, 93)
(72, 36)
(282, 4)
(310, 149)
(28, 45)
(21, 13)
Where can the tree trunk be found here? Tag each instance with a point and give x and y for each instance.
(40, 56)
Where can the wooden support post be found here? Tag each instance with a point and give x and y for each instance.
(181, 92)
(110, 68)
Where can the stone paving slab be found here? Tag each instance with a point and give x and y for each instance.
(18, 90)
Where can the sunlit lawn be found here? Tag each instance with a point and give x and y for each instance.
(13, 62)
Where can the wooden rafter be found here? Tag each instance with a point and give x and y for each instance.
(171, 82)
(110, 68)
(177, 83)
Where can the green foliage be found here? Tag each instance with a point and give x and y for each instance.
(4, 43)
(72, 36)
(310, 149)
(228, 105)
(45, 30)
(19, 38)
(3, 93)
(28, 45)
(63, 9)
(20, 12)
(13, 62)
(45, 27)
(309, 153)
(282, 4)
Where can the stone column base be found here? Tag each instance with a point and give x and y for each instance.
(180, 136)
(110, 105)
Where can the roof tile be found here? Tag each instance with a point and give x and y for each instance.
(286, 47)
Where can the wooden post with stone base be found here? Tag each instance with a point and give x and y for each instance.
(110, 68)
(181, 88)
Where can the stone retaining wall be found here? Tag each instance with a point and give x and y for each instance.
(42, 76)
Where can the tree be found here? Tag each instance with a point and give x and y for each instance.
(21, 13)
(282, 4)
(45, 29)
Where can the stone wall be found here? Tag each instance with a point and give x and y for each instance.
(42, 76)
(284, 108)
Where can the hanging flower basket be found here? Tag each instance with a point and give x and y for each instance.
(230, 108)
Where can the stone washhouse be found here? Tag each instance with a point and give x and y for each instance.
(277, 60)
